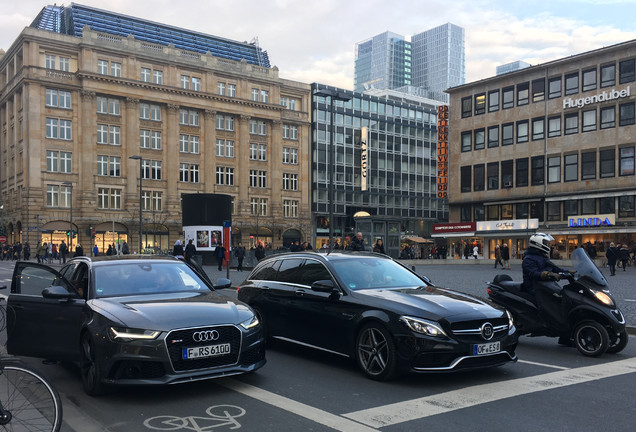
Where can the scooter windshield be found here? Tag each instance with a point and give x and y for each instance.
(586, 268)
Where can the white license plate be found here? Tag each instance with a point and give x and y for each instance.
(206, 351)
(487, 348)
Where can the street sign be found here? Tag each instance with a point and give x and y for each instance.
(3, 239)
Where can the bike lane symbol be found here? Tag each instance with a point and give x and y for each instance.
(219, 416)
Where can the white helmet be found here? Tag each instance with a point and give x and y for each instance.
(541, 241)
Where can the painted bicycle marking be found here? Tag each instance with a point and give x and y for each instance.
(218, 416)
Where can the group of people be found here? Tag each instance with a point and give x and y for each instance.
(618, 253)
(502, 256)
(15, 251)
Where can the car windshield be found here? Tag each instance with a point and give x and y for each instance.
(125, 279)
(374, 273)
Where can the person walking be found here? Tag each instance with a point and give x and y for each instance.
(219, 252)
(612, 255)
(177, 249)
(95, 250)
(79, 250)
(475, 251)
(505, 256)
(498, 256)
(239, 253)
(357, 244)
(63, 251)
(259, 253)
(623, 255)
(190, 250)
(124, 248)
(378, 247)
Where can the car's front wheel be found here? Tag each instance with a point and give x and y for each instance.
(89, 366)
(375, 352)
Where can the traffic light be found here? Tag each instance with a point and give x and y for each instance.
(68, 233)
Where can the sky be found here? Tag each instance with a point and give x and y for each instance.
(315, 41)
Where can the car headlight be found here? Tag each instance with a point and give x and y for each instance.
(603, 298)
(422, 326)
(125, 334)
(511, 322)
(250, 323)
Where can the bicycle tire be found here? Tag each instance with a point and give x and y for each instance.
(32, 401)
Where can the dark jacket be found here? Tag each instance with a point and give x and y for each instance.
(239, 252)
(505, 253)
(190, 249)
(612, 255)
(356, 245)
(259, 253)
(534, 263)
(378, 248)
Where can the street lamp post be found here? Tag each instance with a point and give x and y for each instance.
(331, 163)
(140, 195)
(70, 233)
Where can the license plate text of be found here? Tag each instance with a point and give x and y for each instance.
(206, 351)
(487, 348)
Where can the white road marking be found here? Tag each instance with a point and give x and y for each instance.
(630, 300)
(333, 421)
(543, 364)
(400, 412)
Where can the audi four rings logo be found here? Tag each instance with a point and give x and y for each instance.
(486, 331)
(207, 335)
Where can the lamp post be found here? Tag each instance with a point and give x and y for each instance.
(331, 163)
(140, 195)
(70, 233)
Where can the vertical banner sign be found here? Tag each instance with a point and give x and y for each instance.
(226, 241)
(364, 158)
(442, 151)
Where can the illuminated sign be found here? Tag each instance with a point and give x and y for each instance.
(592, 221)
(601, 97)
(457, 227)
(442, 151)
(364, 158)
(508, 225)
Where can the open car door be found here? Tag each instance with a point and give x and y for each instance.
(44, 313)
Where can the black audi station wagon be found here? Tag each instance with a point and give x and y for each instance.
(374, 309)
(131, 320)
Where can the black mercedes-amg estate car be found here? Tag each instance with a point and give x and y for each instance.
(372, 308)
(131, 320)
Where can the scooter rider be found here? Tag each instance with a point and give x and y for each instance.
(538, 270)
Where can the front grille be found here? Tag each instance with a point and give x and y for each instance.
(179, 339)
(470, 331)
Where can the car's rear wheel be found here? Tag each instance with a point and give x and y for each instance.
(375, 352)
(591, 338)
(89, 367)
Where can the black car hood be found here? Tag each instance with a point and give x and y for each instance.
(172, 311)
(436, 302)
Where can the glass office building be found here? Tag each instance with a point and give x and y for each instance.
(382, 62)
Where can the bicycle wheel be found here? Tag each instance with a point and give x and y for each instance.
(33, 404)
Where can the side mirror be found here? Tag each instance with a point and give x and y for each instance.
(57, 292)
(222, 283)
(325, 285)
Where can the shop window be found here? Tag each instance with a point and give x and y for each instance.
(626, 206)
(554, 211)
(588, 165)
(538, 90)
(522, 172)
(465, 173)
(478, 177)
(607, 165)
(538, 171)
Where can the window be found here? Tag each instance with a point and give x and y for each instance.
(155, 170)
(492, 212)
(290, 208)
(189, 117)
(258, 127)
(478, 213)
(508, 97)
(149, 112)
(290, 156)
(522, 172)
(108, 166)
(588, 119)
(109, 106)
(196, 84)
(220, 88)
(522, 131)
(523, 94)
(225, 148)
(478, 177)
(538, 171)
(57, 161)
(588, 206)
(626, 206)
(626, 161)
(608, 117)
(554, 169)
(255, 94)
(290, 181)
(493, 101)
(258, 178)
(554, 88)
(65, 64)
(49, 61)
(102, 67)
(507, 167)
(185, 81)
(521, 210)
(225, 176)
(231, 90)
(571, 123)
(152, 201)
(507, 134)
(108, 134)
(480, 138)
(157, 77)
(606, 205)
(115, 69)
(258, 206)
(572, 83)
(608, 75)
(188, 143)
(492, 172)
(224, 122)
(258, 151)
(607, 165)
(146, 73)
(626, 71)
(626, 114)
(467, 141)
(265, 96)
(554, 211)
(571, 168)
(465, 178)
(570, 208)
(467, 108)
(58, 128)
(465, 213)
(589, 80)
(493, 136)
(554, 127)
(56, 194)
(538, 129)
(58, 98)
(290, 132)
(588, 165)
(480, 104)
(538, 90)
(109, 198)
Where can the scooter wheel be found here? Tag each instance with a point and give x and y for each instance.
(591, 338)
(619, 343)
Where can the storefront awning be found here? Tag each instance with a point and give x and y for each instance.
(417, 240)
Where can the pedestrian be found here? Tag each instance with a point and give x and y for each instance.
(239, 253)
(466, 251)
(505, 256)
(177, 249)
(219, 252)
(79, 250)
(623, 255)
(63, 251)
(190, 250)
(259, 253)
(378, 247)
(109, 251)
(476, 251)
(612, 255)
(124, 248)
(95, 250)
(357, 244)
(498, 256)
(27, 251)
